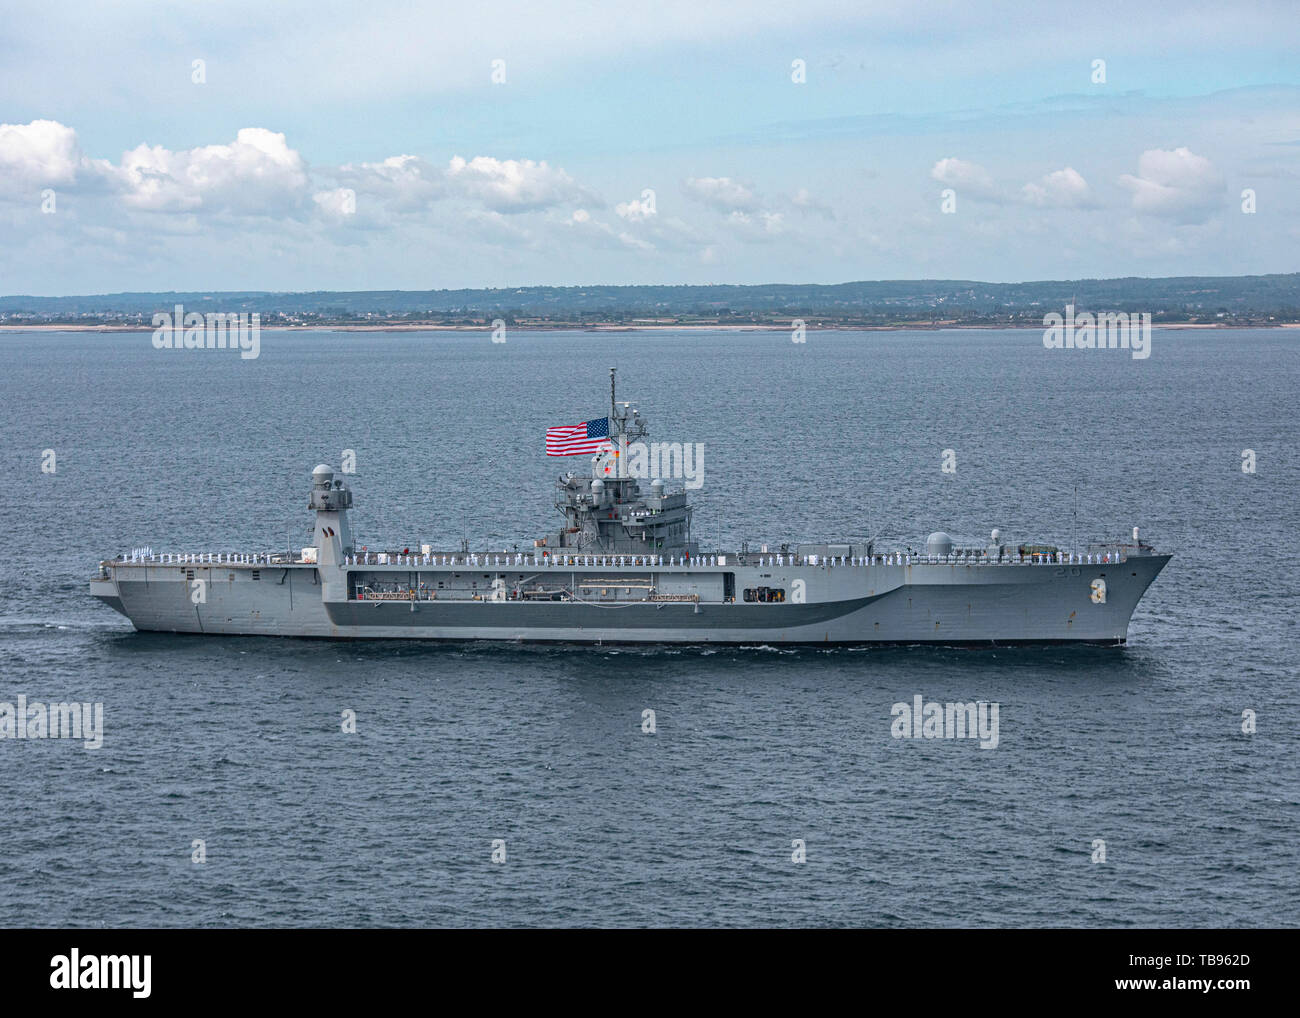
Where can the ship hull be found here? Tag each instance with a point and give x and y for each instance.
(952, 604)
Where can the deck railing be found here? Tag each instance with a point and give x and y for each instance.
(490, 560)
(524, 560)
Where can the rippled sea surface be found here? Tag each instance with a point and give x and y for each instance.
(237, 742)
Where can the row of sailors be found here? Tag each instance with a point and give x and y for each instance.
(507, 559)
(533, 562)
(202, 558)
(605, 561)
(907, 558)
(636, 561)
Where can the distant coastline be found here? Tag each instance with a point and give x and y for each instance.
(1180, 302)
(617, 327)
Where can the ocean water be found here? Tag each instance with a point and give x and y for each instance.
(237, 742)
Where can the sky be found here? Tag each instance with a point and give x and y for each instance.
(341, 146)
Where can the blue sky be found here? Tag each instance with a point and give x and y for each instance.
(340, 146)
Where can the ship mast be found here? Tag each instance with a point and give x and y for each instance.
(620, 426)
(621, 440)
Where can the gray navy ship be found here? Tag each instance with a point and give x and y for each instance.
(624, 569)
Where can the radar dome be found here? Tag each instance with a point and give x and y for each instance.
(938, 543)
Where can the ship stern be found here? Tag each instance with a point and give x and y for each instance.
(103, 587)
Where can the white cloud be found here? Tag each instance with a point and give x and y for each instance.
(257, 174)
(405, 183)
(510, 185)
(757, 226)
(341, 201)
(43, 154)
(722, 193)
(969, 180)
(637, 210)
(634, 242)
(1062, 189)
(745, 215)
(1176, 184)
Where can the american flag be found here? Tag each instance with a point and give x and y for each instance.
(577, 439)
